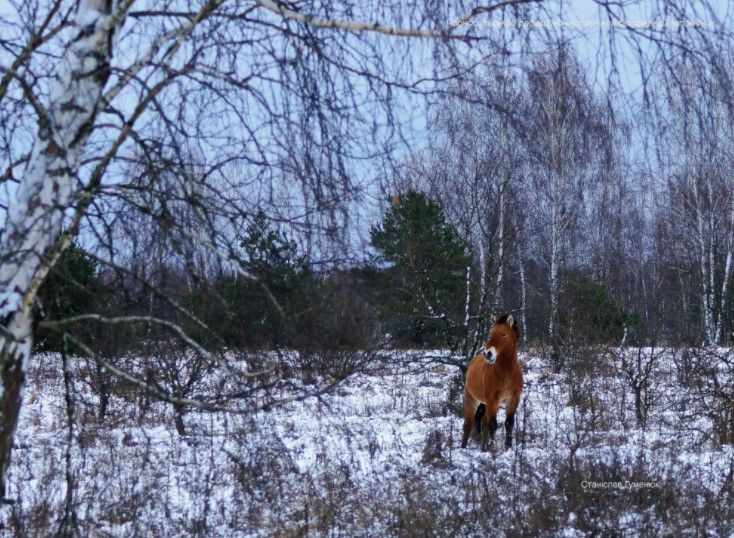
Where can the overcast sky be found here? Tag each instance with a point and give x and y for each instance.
(581, 22)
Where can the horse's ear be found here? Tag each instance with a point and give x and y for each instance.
(494, 319)
(510, 321)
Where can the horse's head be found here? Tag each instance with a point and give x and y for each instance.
(503, 338)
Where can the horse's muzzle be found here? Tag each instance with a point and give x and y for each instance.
(489, 356)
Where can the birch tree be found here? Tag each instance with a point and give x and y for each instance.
(476, 160)
(28, 242)
(565, 138)
(700, 212)
(700, 218)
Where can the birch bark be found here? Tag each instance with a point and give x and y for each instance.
(28, 241)
(727, 273)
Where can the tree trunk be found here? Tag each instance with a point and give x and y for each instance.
(638, 407)
(523, 302)
(711, 229)
(68, 523)
(704, 260)
(14, 355)
(467, 312)
(178, 419)
(726, 277)
(29, 244)
(498, 298)
(482, 272)
(104, 391)
(555, 267)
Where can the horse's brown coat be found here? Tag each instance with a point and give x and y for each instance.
(493, 384)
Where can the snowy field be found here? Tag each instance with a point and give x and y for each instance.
(379, 456)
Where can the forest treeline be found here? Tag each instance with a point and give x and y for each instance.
(418, 288)
(538, 196)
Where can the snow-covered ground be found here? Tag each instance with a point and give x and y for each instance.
(379, 456)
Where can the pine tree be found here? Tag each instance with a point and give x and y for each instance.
(70, 289)
(427, 261)
(272, 256)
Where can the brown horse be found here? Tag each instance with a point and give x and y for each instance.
(493, 377)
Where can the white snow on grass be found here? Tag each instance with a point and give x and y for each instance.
(377, 456)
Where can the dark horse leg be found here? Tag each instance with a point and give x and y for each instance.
(509, 423)
(489, 426)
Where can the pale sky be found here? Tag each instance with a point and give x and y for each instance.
(580, 21)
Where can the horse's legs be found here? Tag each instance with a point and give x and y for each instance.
(510, 421)
(484, 433)
(489, 425)
(470, 405)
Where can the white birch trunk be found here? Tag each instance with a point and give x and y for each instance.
(554, 259)
(28, 242)
(483, 271)
(711, 330)
(726, 279)
(497, 296)
(500, 247)
(704, 264)
(523, 300)
(482, 285)
(467, 300)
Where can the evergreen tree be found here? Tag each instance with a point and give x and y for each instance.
(238, 309)
(592, 312)
(70, 289)
(271, 255)
(427, 264)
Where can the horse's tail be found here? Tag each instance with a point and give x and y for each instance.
(481, 408)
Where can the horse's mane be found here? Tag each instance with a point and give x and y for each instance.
(515, 325)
